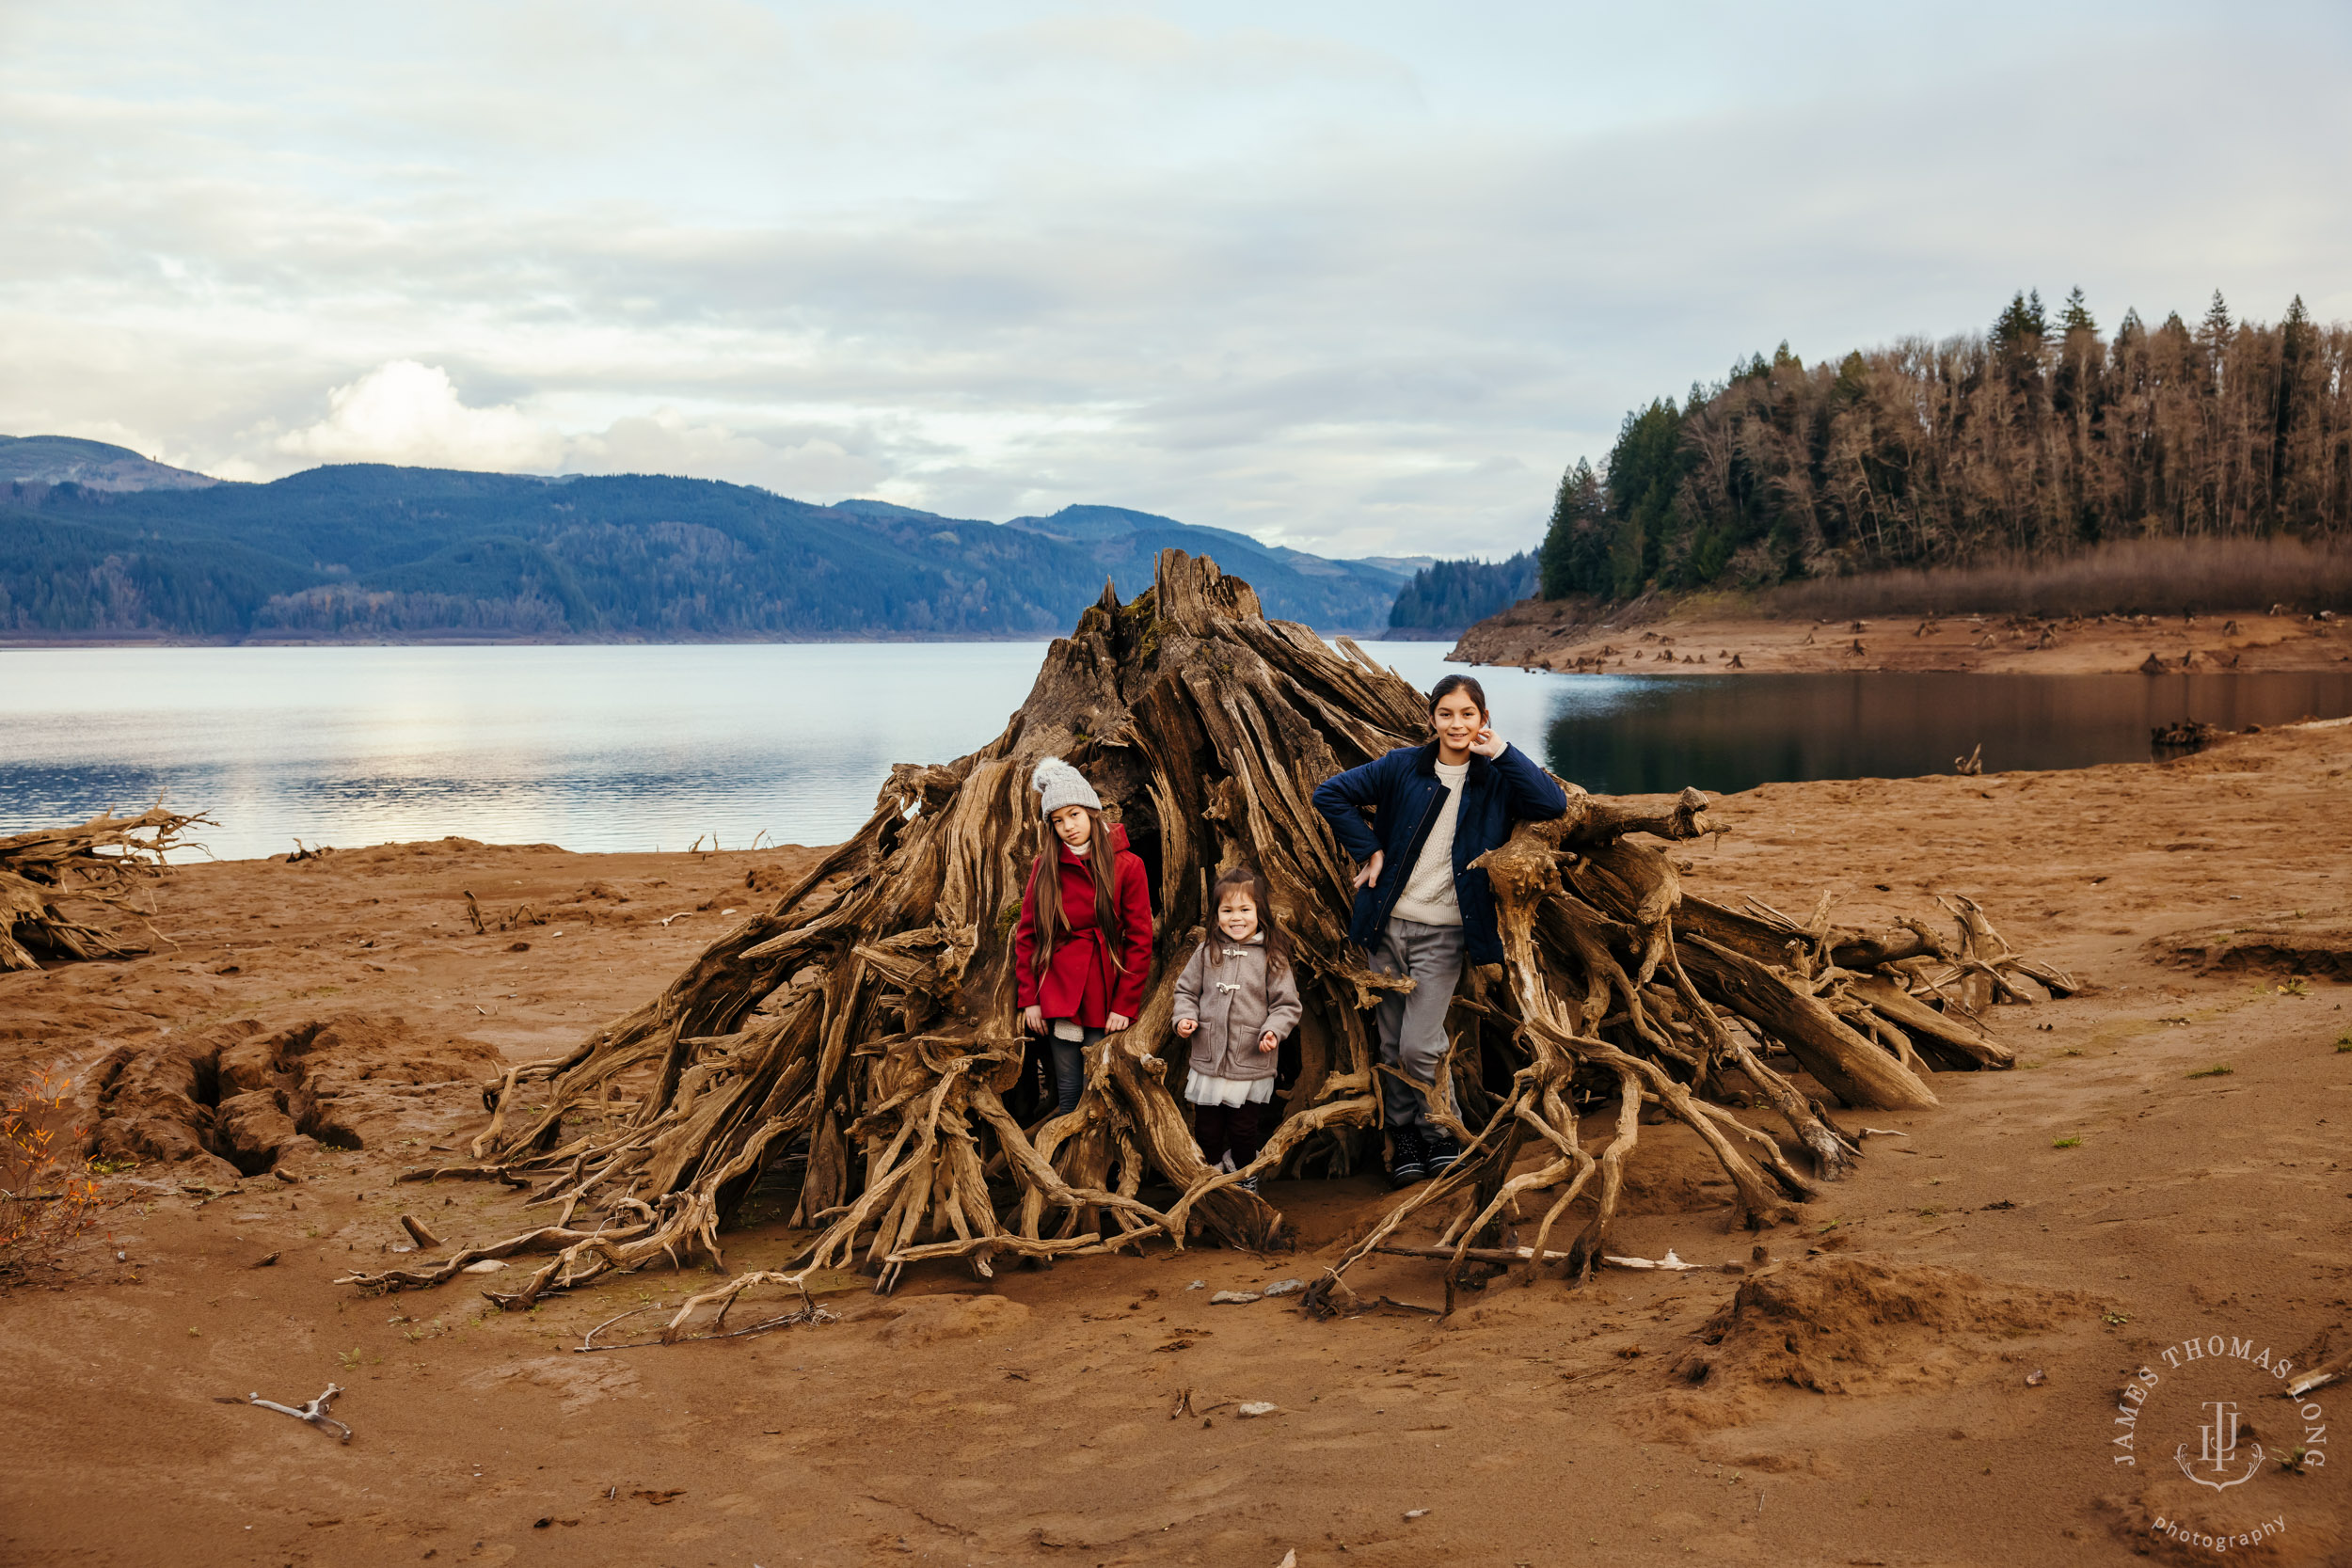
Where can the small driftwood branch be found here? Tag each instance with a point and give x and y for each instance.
(808, 1312)
(1670, 1264)
(417, 1233)
(2320, 1376)
(1527, 1255)
(313, 1413)
(464, 1172)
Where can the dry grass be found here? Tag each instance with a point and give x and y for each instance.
(2151, 576)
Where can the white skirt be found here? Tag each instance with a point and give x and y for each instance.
(1204, 1090)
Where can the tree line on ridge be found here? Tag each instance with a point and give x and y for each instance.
(2035, 440)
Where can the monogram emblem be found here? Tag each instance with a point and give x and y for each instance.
(2216, 1451)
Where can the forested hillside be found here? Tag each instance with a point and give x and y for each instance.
(99, 464)
(2031, 441)
(364, 551)
(1447, 596)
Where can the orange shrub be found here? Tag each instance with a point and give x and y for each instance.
(47, 1190)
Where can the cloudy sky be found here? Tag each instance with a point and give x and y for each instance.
(1360, 278)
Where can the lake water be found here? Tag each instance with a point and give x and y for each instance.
(650, 747)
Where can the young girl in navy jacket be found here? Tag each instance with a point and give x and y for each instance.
(1422, 910)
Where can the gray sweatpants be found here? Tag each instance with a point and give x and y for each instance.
(1412, 1027)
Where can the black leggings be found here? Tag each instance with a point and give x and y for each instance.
(1226, 1129)
(1070, 1068)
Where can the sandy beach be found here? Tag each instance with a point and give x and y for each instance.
(1704, 635)
(1924, 1371)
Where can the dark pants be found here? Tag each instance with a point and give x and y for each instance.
(1412, 1027)
(1221, 1129)
(1070, 1068)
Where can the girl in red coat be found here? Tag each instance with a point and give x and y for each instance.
(1083, 949)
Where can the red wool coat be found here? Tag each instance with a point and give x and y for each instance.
(1080, 982)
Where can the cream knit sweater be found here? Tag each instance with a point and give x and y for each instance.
(1428, 893)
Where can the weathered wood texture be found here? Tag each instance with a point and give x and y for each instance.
(105, 861)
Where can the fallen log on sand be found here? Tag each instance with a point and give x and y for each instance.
(863, 1031)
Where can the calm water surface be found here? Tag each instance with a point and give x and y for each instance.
(648, 746)
(592, 747)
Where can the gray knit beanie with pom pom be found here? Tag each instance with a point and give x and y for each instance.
(1063, 785)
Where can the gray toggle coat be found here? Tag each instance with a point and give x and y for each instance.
(1235, 1001)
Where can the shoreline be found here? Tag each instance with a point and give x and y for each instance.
(1687, 638)
(1695, 637)
(461, 844)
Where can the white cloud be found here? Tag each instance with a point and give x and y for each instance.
(821, 465)
(405, 413)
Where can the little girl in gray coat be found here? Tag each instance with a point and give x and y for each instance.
(1235, 1001)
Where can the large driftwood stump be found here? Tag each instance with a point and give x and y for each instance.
(863, 1029)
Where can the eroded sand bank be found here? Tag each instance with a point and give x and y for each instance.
(1695, 635)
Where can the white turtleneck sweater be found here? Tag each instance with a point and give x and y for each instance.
(1428, 893)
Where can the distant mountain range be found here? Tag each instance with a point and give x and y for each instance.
(98, 542)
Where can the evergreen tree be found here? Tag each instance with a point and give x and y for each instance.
(2300, 461)
(1645, 471)
(2021, 327)
(2297, 326)
(1853, 379)
(1575, 555)
(2078, 316)
(2216, 329)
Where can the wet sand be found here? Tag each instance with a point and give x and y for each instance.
(1870, 1401)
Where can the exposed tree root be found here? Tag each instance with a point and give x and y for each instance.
(862, 1031)
(105, 860)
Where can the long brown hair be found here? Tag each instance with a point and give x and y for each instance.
(1045, 887)
(1278, 946)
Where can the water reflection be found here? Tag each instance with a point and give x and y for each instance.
(1634, 734)
(1626, 734)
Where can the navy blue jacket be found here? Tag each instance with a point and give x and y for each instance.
(1403, 791)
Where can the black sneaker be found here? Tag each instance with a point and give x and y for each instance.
(1409, 1163)
(1248, 1183)
(1443, 1151)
